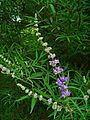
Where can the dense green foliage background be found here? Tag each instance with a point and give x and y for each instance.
(64, 24)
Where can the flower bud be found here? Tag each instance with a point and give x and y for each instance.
(40, 97)
(54, 106)
(27, 90)
(44, 44)
(48, 49)
(4, 69)
(30, 93)
(7, 71)
(1, 66)
(49, 100)
(59, 108)
(35, 95)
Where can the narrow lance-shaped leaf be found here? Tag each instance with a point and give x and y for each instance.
(33, 103)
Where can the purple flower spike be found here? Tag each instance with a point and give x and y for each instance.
(57, 70)
(61, 82)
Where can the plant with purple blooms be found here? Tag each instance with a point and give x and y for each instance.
(57, 70)
(61, 82)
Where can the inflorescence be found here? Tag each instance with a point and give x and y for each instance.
(57, 70)
(49, 101)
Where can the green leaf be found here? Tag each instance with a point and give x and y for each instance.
(46, 83)
(36, 75)
(77, 107)
(52, 8)
(54, 113)
(22, 98)
(33, 103)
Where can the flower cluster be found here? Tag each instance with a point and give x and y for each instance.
(54, 105)
(5, 70)
(86, 97)
(5, 60)
(57, 70)
(61, 81)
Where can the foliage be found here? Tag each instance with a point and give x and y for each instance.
(64, 25)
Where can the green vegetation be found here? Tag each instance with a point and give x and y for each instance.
(64, 25)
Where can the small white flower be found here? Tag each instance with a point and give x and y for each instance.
(44, 44)
(40, 39)
(6, 61)
(36, 21)
(88, 91)
(49, 100)
(4, 69)
(27, 91)
(38, 34)
(40, 97)
(9, 62)
(30, 93)
(35, 95)
(16, 18)
(36, 15)
(59, 108)
(1, 56)
(51, 55)
(7, 71)
(22, 87)
(66, 109)
(86, 97)
(36, 25)
(18, 84)
(1, 66)
(48, 49)
(37, 29)
(54, 106)
(13, 75)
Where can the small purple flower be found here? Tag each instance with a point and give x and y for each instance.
(68, 93)
(59, 83)
(65, 93)
(57, 70)
(63, 87)
(63, 78)
(54, 62)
